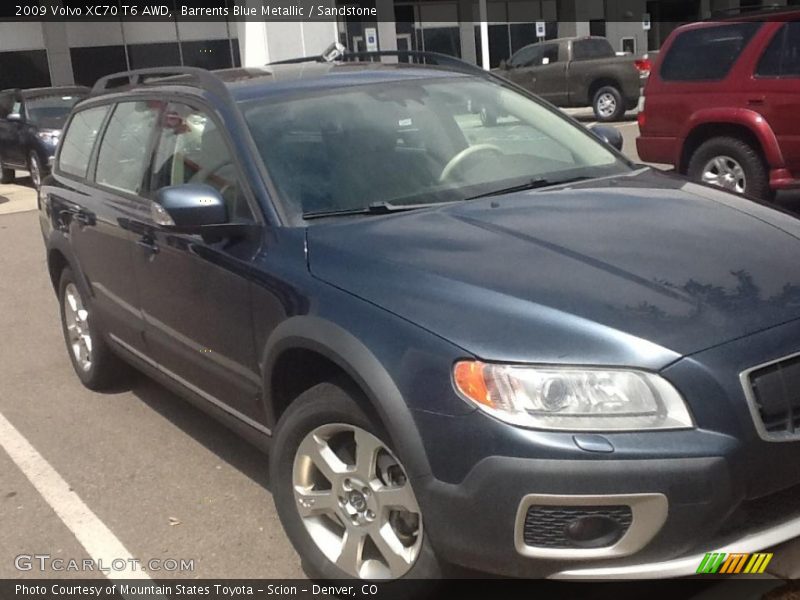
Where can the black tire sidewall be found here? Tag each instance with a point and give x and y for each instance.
(105, 366)
(756, 174)
(620, 104)
(325, 403)
(7, 175)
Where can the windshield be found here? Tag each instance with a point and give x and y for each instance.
(418, 141)
(50, 112)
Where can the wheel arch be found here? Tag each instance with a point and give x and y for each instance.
(600, 82)
(59, 257)
(332, 351)
(746, 125)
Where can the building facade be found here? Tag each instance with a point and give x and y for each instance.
(59, 53)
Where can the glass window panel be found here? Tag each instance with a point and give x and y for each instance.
(123, 154)
(78, 141)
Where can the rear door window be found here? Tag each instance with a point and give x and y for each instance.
(78, 141)
(550, 54)
(782, 56)
(591, 49)
(124, 151)
(706, 54)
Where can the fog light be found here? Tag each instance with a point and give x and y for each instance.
(593, 531)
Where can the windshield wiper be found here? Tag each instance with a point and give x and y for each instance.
(376, 208)
(531, 184)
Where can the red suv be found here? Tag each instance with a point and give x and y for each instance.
(722, 104)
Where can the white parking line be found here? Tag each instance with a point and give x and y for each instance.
(98, 540)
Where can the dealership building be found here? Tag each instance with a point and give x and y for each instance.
(55, 53)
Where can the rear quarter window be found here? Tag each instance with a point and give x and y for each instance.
(706, 54)
(79, 139)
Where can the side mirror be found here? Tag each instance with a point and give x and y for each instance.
(14, 117)
(609, 135)
(189, 207)
(504, 64)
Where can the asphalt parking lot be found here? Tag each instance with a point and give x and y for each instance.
(136, 470)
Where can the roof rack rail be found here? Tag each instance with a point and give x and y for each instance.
(199, 77)
(337, 53)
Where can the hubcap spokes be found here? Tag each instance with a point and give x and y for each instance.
(355, 502)
(77, 321)
(606, 105)
(725, 172)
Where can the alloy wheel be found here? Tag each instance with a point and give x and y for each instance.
(606, 105)
(356, 503)
(725, 172)
(76, 317)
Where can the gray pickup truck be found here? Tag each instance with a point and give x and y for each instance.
(575, 72)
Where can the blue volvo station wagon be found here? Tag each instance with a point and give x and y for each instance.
(504, 348)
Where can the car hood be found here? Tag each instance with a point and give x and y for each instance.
(636, 270)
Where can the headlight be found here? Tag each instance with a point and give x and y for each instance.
(48, 137)
(573, 398)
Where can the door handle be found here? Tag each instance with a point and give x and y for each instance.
(148, 244)
(82, 218)
(756, 101)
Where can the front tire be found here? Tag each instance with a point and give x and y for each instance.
(342, 494)
(94, 363)
(608, 104)
(732, 164)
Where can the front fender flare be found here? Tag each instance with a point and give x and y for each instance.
(357, 360)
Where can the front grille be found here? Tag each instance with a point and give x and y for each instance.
(546, 526)
(776, 393)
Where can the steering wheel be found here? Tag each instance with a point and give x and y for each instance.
(454, 163)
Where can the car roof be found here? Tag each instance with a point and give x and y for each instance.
(248, 83)
(245, 84)
(782, 15)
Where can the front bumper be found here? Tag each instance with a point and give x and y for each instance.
(476, 523)
(660, 150)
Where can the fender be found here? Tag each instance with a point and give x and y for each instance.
(352, 356)
(56, 240)
(750, 119)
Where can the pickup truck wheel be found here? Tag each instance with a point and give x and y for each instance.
(7, 175)
(343, 495)
(732, 164)
(94, 363)
(608, 104)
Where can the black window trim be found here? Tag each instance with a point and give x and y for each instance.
(129, 195)
(781, 31)
(723, 76)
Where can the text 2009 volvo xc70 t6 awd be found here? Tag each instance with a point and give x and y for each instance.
(506, 348)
